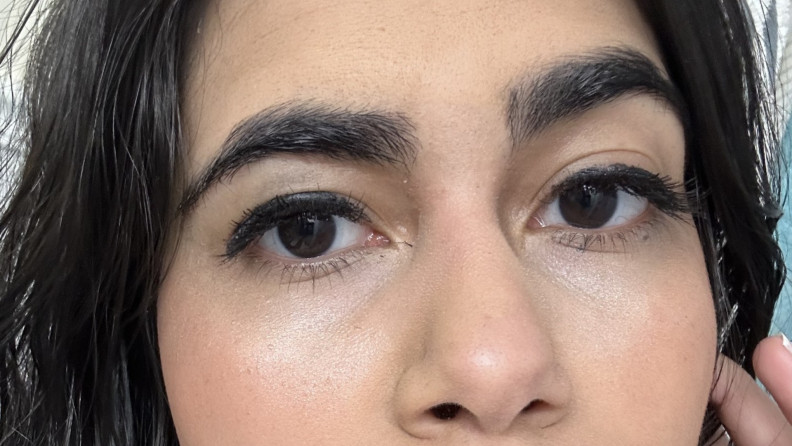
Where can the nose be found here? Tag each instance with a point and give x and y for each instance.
(487, 361)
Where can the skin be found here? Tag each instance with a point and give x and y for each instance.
(462, 299)
(749, 415)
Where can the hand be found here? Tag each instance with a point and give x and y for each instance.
(750, 417)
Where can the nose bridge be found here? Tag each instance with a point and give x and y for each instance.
(488, 332)
(481, 277)
(486, 349)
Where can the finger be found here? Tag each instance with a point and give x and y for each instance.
(747, 413)
(773, 364)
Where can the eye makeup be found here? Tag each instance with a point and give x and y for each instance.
(283, 209)
(586, 210)
(301, 222)
(663, 193)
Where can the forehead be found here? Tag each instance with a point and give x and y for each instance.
(390, 54)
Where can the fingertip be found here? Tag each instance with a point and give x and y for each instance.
(761, 350)
(771, 353)
(746, 411)
(773, 364)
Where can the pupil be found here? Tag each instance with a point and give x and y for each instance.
(588, 207)
(307, 235)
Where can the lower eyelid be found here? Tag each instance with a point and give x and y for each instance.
(257, 255)
(290, 273)
(650, 224)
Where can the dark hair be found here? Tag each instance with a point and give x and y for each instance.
(84, 235)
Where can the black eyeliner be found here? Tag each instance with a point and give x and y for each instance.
(665, 194)
(266, 216)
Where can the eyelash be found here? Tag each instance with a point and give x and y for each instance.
(261, 219)
(607, 242)
(663, 194)
(314, 270)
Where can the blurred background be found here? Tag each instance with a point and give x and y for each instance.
(774, 18)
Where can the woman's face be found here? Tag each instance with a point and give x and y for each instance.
(437, 222)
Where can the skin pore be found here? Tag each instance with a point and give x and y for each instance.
(460, 306)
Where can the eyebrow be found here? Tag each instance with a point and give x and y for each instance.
(583, 82)
(373, 137)
(565, 89)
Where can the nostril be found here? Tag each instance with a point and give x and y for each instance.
(533, 405)
(446, 411)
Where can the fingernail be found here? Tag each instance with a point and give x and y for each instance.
(787, 344)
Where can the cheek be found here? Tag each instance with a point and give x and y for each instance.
(239, 366)
(634, 333)
(638, 331)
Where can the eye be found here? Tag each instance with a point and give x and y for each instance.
(304, 226)
(588, 207)
(310, 235)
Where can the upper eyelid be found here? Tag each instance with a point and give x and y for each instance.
(596, 173)
(628, 178)
(571, 177)
(663, 194)
(279, 203)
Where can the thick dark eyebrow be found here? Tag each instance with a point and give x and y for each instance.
(581, 83)
(373, 137)
(566, 89)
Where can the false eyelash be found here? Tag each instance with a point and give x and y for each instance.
(666, 195)
(257, 221)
